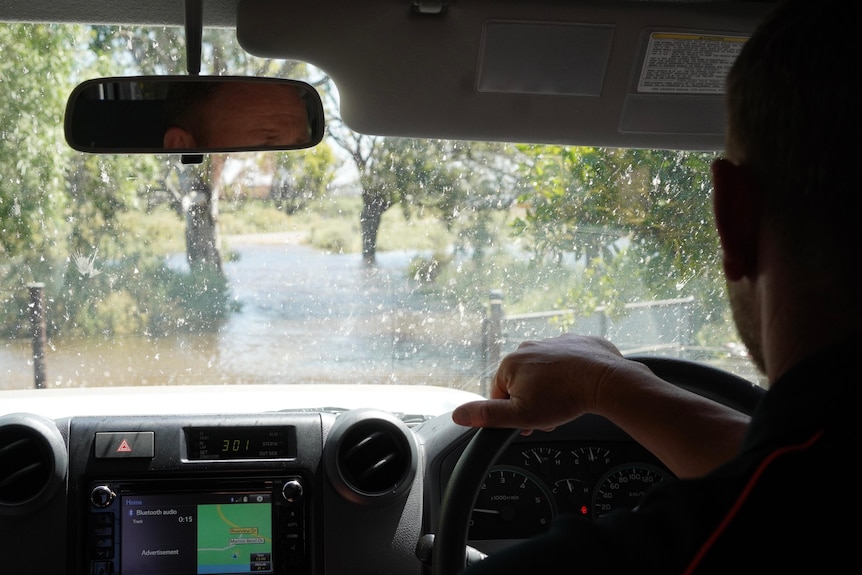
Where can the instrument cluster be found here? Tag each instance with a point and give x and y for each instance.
(531, 483)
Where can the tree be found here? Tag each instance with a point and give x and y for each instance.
(366, 153)
(590, 203)
(195, 190)
(299, 177)
(460, 182)
(58, 208)
(464, 184)
(32, 191)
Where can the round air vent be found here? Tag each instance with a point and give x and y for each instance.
(32, 462)
(371, 456)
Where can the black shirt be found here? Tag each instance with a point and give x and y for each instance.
(788, 502)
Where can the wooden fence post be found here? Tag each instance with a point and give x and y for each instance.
(38, 325)
(493, 336)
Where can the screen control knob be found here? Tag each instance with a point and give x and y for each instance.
(291, 491)
(102, 496)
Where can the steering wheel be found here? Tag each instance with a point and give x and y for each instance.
(450, 541)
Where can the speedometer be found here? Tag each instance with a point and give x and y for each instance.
(623, 487)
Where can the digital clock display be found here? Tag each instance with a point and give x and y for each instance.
(241, 442)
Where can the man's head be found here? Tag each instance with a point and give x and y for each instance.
(786, 191)
(235, 115)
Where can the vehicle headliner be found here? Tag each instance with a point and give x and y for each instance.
(405, 74)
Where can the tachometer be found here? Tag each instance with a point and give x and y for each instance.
(623, 487)
(512, 504)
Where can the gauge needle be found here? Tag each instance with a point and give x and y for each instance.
(490, 511)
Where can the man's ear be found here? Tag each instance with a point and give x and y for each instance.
(176, 138)
(736, 203)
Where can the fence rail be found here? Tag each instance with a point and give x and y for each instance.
(646, 327)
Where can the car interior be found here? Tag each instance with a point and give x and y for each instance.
(327, 477)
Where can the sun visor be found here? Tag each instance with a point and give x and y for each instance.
(577, 73)
(678, 86)
(540, 58)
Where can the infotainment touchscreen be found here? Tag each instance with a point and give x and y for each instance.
(230, 532)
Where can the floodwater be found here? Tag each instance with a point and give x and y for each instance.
(306, 317)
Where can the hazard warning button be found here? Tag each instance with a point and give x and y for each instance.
(124, 444)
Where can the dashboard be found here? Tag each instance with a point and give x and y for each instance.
(299, 491)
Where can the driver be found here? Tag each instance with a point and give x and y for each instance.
(236, 114)
(773, 494)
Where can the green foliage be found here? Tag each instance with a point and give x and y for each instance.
(427, 269)
(33, 159)
(426, 232)
(100, 190)
(63, 213)
(466, 282)
(202, 297)
(606, 283)
(158, 228)
(462, 184)
(465, 185)
(136, 294)
(629, 216)
(331, 238)
(244, 216)
(300, 177)
(579, 200)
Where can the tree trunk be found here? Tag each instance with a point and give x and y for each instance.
(200, 207)
(373, 206)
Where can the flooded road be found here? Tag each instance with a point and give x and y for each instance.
(305, 317)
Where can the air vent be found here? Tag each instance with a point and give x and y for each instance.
(32, 462)
(371, 456)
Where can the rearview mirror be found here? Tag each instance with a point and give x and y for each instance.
(193, 115)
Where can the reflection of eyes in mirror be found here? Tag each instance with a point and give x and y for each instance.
(193, 114)
(234, 114)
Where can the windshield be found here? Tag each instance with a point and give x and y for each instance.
(363, 260)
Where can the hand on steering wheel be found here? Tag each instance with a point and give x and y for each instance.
(459, 497)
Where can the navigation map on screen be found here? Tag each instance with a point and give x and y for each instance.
(234, 538)
(204, 533)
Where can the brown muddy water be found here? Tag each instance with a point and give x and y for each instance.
(306, 317)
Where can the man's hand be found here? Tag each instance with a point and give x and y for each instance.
(544, 384)
(547, 383)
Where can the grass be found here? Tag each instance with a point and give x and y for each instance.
(162, 230)
(332, 224)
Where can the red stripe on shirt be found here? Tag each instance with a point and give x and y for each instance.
(695, 562)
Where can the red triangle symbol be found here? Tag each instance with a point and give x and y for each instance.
(124, 446)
